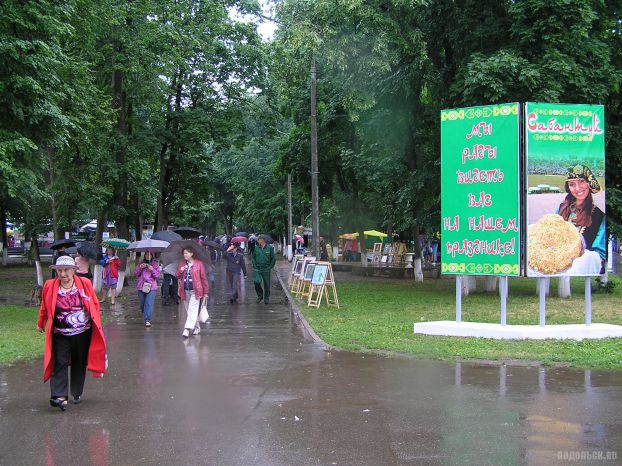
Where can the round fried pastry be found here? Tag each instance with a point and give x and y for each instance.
(552, 245)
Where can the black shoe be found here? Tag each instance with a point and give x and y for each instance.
(267, 301)
(58, 403)
(77, 400)
(231, 301)
(260, 299)
(165, 303)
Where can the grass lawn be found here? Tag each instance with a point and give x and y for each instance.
(379, 316)
(19, 338)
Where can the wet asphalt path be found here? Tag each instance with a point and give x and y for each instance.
(250, 390)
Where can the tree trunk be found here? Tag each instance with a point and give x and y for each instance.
(490, 283)
(362, 247)
(547, 285)
(34, 253)
(138, 218)
(469, 284)
(123, 273)
(5, 242)
(58, 234)
(418, 272)
(563, 287)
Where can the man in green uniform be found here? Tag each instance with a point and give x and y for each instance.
(263, 262)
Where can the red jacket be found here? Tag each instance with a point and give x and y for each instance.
(199, 280)
(114, 265)
(97, 361)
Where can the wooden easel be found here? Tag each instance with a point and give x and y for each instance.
(299, 277)
(307, 276)
(323, 286)
(290, 278)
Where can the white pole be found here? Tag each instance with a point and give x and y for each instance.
(542, 291)
(588, 300)
(503, 287)
(458, 298)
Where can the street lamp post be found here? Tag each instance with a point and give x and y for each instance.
(315, 209)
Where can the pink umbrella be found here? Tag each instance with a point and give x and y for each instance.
(300, 238)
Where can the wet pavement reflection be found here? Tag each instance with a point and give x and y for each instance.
(251, 390)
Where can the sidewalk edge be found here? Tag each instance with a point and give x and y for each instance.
(300, 318)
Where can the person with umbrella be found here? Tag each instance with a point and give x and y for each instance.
(252, 242)
(110, 275)
(193, 286)
(148, 272)
(74, 336)
(169, 281)
(59, 246)
(263, 263)
(83, 269)
(235, 265)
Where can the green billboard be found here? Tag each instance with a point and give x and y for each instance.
(480, 190)
(565, 151)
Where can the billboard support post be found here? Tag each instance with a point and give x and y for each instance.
(458, 298)
(542, 293)
(588, 301)
(503, 288)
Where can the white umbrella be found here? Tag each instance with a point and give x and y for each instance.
(152, 245)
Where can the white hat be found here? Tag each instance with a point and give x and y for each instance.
(64, 262)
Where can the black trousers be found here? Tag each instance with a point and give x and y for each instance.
(74, 350)
(169, 288)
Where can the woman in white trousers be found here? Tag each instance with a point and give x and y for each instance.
(193, 287)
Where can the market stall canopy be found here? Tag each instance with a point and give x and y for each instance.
(376, 233)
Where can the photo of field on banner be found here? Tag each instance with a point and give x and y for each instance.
(322, 285)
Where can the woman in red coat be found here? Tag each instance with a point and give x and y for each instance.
(74, 335)
(193, 287)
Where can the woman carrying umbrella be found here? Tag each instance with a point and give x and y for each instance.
(110, 275)
(74, 336)
(148, 272)
(193, 287)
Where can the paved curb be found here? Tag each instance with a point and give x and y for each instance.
(300, 318)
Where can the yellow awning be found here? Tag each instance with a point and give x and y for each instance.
(378, 234)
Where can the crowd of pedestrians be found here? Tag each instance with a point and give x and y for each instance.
(70, 309)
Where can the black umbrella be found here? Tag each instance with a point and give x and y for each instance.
(62, 243)
(175, 252)
(188, 232)
(241, 233)
(213, 244)
(89, 250)
(267, 238)
(166, 235)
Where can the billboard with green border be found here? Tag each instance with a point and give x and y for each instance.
(480, 190)
(565, 152)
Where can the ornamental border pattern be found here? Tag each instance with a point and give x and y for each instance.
(480, 269)
(480, 112)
